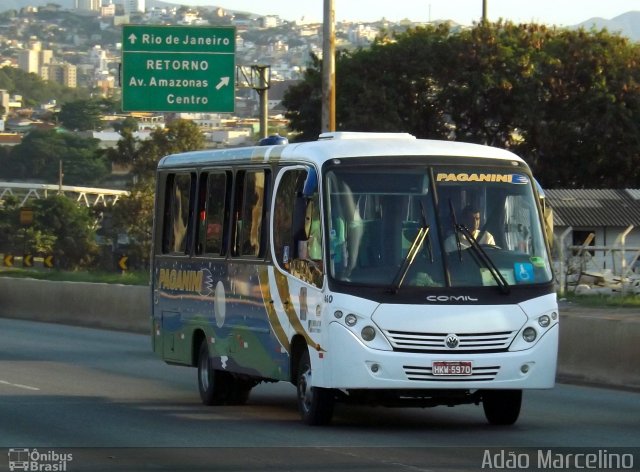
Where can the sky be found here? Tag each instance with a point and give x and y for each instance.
(465, 12)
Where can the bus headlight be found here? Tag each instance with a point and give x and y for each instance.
(368, 333)
(529, 334)
(544, 321)
(351, 319)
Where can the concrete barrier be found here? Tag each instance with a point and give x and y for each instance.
(600, 346)
(597, 345)
(110, 306)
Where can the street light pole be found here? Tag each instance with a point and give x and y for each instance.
(484, 11)
(328, 68)
(262, 87)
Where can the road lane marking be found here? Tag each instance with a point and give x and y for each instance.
(26, 387)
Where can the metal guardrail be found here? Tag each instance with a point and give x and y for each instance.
(90, 196)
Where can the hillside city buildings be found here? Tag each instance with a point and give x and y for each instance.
(81, 47)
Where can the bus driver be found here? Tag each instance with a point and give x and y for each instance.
(471, 219)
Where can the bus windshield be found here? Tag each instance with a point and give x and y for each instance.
(404, 225)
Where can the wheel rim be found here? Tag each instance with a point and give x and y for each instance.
(305, 392)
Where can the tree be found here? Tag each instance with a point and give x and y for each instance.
(126, 150)
(9, 220)
(39, 154)
(81, 115)
(588, 112)
(129, 124)
(304, 103)
(178, 136)
(567, 101)
(60, 228)
(6, 81)
(133, 215)
(72, 227)
(34, 90)
(183, 136)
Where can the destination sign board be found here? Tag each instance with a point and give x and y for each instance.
(178, 68)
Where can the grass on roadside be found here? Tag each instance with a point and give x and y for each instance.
(127, 278)
(142, 278)
(619, 301)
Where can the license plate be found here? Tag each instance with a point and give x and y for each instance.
(451, 368)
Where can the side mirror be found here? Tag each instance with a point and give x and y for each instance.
(547, 214)
(311, 183)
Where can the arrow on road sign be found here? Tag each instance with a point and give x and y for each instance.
(122, 263)
(133, 38)
(8, 260)
(27, 260)
(48, 261)
(223, 81)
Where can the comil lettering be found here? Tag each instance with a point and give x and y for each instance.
(451, 298)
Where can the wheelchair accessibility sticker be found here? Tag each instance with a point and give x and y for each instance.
(523, 272)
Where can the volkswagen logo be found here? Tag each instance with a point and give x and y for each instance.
(452, 341)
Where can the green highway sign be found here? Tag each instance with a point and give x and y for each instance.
(178, 68)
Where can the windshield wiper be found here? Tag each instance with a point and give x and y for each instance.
(423, 231)
(425, 225)
(455, 229)
(484, 258)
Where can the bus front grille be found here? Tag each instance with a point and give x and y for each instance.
(406, 341)
(478, 374)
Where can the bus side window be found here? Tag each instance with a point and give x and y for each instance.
(213, 212)
(249, 209)
(177, 213)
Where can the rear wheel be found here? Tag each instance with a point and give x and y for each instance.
(315, 403)
(212, 384)
(239, 391)
(502, 407)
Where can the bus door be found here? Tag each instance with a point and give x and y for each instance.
(298, 252)
(172, 262)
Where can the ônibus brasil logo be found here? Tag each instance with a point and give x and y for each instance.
(41, 461)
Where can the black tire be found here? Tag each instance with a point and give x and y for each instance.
(502, 407)
(314, 403)
(239, 391)
(212, 383)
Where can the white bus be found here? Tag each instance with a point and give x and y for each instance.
(363, 268)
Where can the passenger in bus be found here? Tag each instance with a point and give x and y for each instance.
(180, 218)
(345, 234)
(470, 218)
(313, 231)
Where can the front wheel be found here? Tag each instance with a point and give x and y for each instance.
(315, 403)
(502, 407)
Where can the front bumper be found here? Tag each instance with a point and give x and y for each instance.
(349, 364)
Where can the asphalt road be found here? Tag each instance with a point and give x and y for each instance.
(105, 398)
